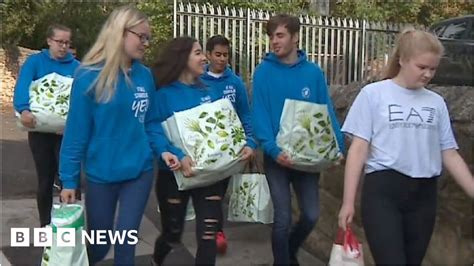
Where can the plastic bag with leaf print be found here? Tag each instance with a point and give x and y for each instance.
(49, 103)
(250, 199)
(213, 136)
(306, 135)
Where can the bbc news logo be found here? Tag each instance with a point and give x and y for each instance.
(70, 237)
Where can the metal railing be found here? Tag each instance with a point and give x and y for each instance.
(347, 50)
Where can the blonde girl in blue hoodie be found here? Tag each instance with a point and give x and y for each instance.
(112, 131)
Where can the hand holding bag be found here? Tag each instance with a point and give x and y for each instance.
(346, 250)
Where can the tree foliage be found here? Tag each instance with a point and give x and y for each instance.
(24, 22)
(422, 12)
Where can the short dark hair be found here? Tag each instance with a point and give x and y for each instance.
(172, 60)
(216, 40)
(291, 23)
(56, 26)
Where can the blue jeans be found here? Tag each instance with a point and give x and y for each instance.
(286, 240)
(101, 203)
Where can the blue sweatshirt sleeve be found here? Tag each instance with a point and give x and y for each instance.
(243, 110)
(332, 114)
(161, 114)
(79, 125)
(261, 121)
(156, 135)
(21, 96)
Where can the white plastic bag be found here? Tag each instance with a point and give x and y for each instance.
(49, 103)
(250, 199)
(66, 216)
(346, 250)
(213, 136)
(307, 137)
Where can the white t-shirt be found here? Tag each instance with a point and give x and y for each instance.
(407, 129)
(215, 75)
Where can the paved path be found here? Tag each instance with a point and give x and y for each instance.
(249, 244)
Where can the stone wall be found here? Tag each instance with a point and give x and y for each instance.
(10, 62)
(452, 241)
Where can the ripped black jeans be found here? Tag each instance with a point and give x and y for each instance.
(207, 203)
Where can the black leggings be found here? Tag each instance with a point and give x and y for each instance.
(45, 149)
(224, 185)
(398, 214)
(173, 204)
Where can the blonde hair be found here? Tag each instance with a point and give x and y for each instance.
(108, 55)
(411, 42)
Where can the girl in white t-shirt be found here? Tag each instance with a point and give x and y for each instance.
(402, 134)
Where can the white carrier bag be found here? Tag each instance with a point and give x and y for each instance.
(66, 216)
(213, 136)
(306, 135)
(49, 103)
(250, 199)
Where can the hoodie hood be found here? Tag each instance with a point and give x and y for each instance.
(273, 59)
(67, 59)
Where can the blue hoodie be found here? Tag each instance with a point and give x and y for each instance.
(273, 83)
(113, 140)
(177, 97)
(230, 86)
(35, 67)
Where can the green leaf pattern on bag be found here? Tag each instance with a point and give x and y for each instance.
(245, 199)
(306, 135)
(220, 131)
(51, 95)
(318, 136)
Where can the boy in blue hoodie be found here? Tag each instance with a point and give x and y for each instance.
(286, 73)
(224, 83)
(44, 146)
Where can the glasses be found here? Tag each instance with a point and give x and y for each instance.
(143, 37)
(62, 43)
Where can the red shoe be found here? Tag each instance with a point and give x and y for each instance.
(221, 242)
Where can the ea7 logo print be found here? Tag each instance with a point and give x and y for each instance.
(305, 92)
(411, 117)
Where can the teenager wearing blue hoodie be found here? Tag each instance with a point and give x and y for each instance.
(226, 84)
(112, 131)
(44, 146)
(284, 74)
(179, 87)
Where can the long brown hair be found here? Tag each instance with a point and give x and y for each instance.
(411, 42)
(172, 60)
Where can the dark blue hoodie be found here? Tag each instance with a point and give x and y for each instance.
(230, 86)
(273, 83)
(35, 67)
